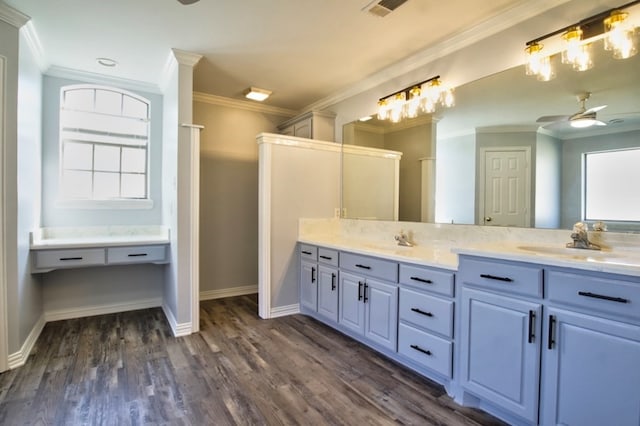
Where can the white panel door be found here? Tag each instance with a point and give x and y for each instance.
(506, 188)
(3, 291)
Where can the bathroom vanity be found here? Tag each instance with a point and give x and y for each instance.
(534, 334)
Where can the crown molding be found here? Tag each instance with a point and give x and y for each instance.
(33, 42)
(90, 77)
(186, 58)
(12, 16)
(517, 14)
(245, 105)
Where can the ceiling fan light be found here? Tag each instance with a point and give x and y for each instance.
(582, 123)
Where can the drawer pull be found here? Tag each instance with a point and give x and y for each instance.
(552, 323)
(306, 252)
(603, 297)
(362, 266)
(71, 258)
(360, 290)
(493, 277)
(421, 312)
(313, 274)
(532, 318)
(422, 280)
(366, 286)
(137, 254)
(419, 349)
(325, 257)
(333, 282)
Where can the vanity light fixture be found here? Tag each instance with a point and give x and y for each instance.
(256, 94)
(420, 97)
(615, 26)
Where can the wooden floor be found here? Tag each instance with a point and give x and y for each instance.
(125, 368)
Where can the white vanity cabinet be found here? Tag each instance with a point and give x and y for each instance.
(308, 277)
(501, 310)
(328, 284)
(591, 352)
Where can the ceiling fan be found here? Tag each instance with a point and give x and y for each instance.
(581, 119)
(185, 2)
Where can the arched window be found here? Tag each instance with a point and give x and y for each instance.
(104, 139)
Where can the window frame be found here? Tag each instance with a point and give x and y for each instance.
(104, 203)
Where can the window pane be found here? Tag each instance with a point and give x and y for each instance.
(81, 99)
(106, 185)
(132, 107)
(108, 102)
(134, 160)
(609, 192)
(76, 184)
(107, 158)
(77, 156)
(133, 186)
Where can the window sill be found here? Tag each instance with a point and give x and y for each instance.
(105, 204)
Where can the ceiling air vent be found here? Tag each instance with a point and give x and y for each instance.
(383, 7)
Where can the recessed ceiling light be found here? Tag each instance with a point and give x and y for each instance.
(106, 62)
(256, 94)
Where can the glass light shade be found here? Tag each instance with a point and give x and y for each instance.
(383, 109)
(583, 60)
(448, 100)
(533, 59)
(396, 107)
(546, 71)
(572, 42)
(619, 35)
(413, 104)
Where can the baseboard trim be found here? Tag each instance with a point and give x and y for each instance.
(177, 329)
(228, 292)
(282, 311)
(63, 314)
(18, 359)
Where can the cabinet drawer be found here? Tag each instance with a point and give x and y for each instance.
(308, 252)
(425, 349)
(328, 257)
(383, 269)
(432, 280)
(608, 295)
(429, 312)
(69, 258)
(136, 254)
(501, 276)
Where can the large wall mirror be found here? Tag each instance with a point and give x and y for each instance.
(494, 120)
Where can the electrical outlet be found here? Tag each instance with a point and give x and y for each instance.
(336, 212)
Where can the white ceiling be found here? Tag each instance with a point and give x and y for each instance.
(302, 50)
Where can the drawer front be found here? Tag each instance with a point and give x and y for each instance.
(425, 349)
(612, 296)
(429, 312)
(436, 281)
(378, 268)
(308, 252)
(137, 254)
(69, 258)
(328, 257)
(505, 277)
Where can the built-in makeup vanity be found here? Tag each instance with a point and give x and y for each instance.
(62, 248)
(508, 320)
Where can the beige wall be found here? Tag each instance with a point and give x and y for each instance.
(229, 195)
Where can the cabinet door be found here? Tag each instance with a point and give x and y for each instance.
(381, 318)
(328, 292)
(500, 351)
(351, 308)
(591, 374)
(303, 129)
(308, 285)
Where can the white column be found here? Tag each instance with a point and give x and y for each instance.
(428, 190)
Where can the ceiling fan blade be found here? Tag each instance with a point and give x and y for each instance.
(551, 118)
(599, 123)
(594, 109)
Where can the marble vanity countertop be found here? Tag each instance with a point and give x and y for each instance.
(436, 254)
(98, 236)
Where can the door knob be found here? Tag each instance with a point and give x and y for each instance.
(487, 219)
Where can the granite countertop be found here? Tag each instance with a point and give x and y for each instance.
(444, 254)
(88, 237)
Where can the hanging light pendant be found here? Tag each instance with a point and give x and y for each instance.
(619, 35)
(576, 52)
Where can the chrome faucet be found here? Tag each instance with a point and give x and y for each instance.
(403, 239)
(581, 238)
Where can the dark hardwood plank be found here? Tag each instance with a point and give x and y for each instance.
(127, 369)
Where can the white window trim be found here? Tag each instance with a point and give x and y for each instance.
(118, 204)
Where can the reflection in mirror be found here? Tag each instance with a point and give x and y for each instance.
(494, 123)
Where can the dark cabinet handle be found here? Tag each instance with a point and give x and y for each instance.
(362, 266)
(532, 318)
(494, 277)
(552, 323)
(137, 254)
(325, 257)
(603, 297)
(366, 286)
(422, 280)
(419, 349)
(71, 258)
(313, 274)
(333, 282)
(360, 290)
(421, 312)
(306, 252)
